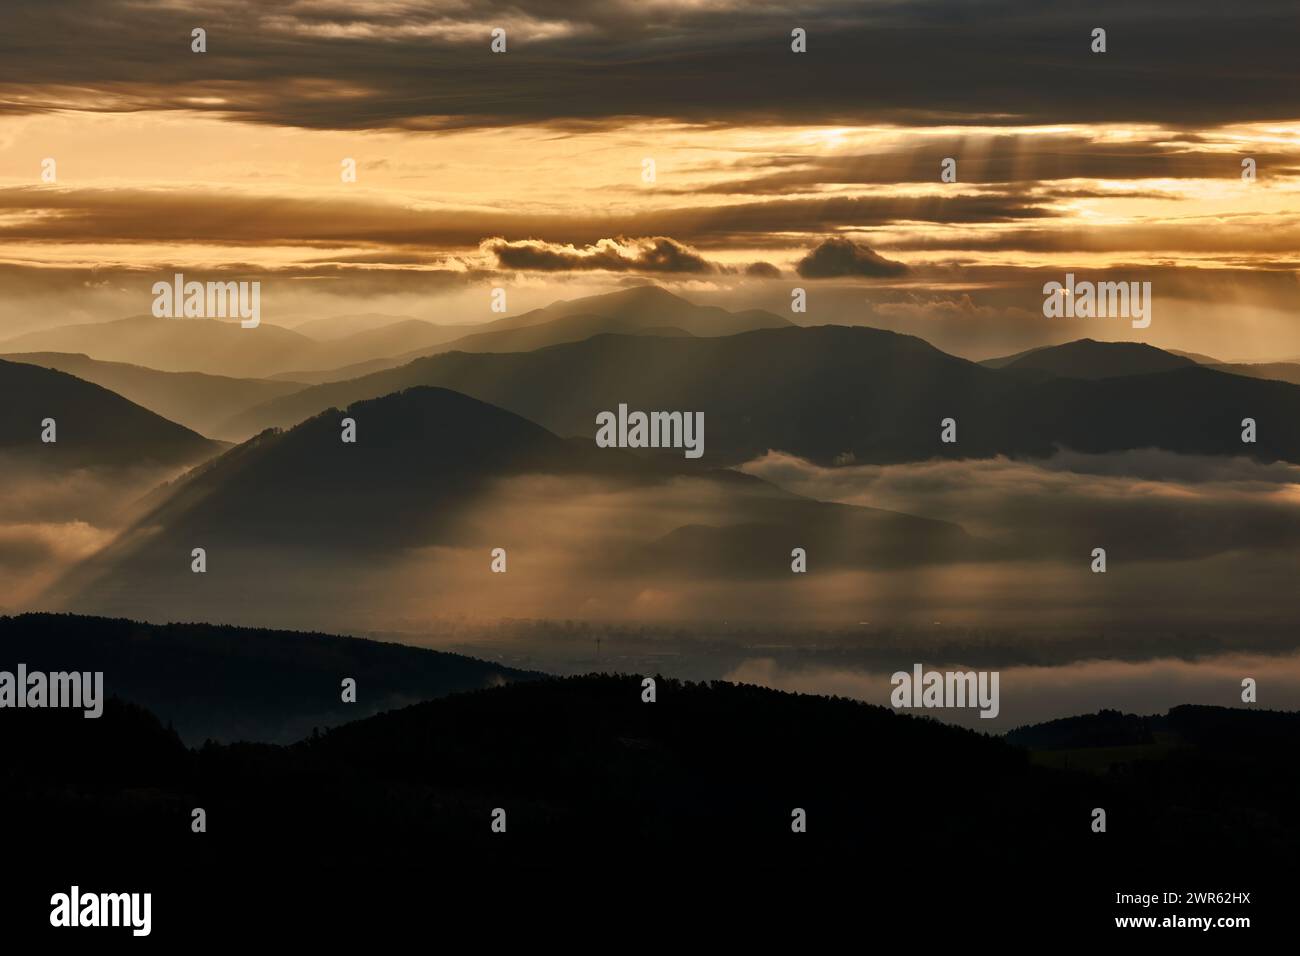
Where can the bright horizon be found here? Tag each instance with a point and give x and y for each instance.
(527, 181)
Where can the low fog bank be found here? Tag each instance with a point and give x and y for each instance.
(53, 518)
(1028, 695)
(1214, 557)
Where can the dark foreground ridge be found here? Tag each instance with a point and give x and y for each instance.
(93, 427)
(240, 683)
(598, 783)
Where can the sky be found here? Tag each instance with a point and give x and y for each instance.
(773, 169)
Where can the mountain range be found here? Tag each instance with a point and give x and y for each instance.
(227, 683)
(460, 454)
(93, 426)
(1090, 359)
(1087, 358)
(217, 347)
(196, 400)
(585, 770)
(837, 394)
(830, 394)
(301, 521)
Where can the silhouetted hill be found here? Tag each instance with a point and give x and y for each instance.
(593, 780)
(372, 348)
(400, 336)
(834, 394)
(1106, 728)
(93, 425)
(644, 310)
(123, 752)
(569, 328)
(299, 523)
(230, 683)
(1222, 730)
(193, 399)
(222, 347)
(216, 347)
(829, 377)
(648, 306)
(1192, 410)
(334, 327)
(1274, 371)
(1197, 357)
(417, 452)
(1088, 358)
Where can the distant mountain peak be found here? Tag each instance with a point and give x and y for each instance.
(94, 426)
(638, 293)
(1092, 359)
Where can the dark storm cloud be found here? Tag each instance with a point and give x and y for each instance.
(116, 282)
(839, 257)
(212, 216)
(657, 254)
(1240, 235)
(340, 66)
(1002, 160)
